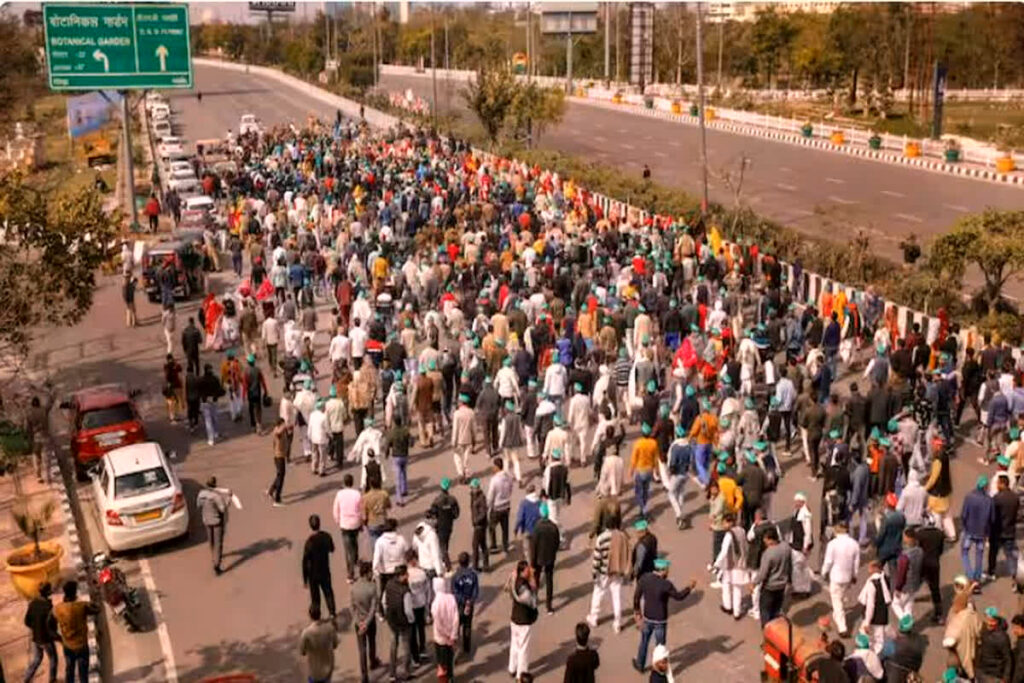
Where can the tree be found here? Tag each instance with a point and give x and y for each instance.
(19, 78)
(992, 241)
(772, 37)
(490, 96)
(850, 35)
(52, 246)
(533, 109)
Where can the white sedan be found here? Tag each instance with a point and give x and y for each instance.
(139, 498)
(171, 146)
(182, 180)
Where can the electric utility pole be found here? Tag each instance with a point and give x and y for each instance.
(700, 109)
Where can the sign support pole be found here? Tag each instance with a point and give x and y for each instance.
(126, 123)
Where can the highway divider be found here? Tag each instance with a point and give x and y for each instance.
(807, 288)
(973, 159)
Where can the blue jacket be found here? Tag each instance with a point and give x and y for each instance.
(889, 541)
(977, 514)
(465, 587)
(830, 338)
(527, 516)
(860, 478)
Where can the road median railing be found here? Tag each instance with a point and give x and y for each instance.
(809, 286)
(974, 159)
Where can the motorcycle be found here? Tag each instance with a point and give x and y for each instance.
(122, 599)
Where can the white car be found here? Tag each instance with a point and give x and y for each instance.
(162, 129)
(198, 202)
(247, 124)
(177, 165)
(182, 180)
(160, 111)
(139, 498)
(171, 145)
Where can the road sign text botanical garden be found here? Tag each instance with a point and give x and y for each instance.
(117, 46)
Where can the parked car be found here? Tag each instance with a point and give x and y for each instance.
(176, 261)
(102, 417)
(162, 129)
(160, 111)
(170, 145)
(139, 498)
(182, 180)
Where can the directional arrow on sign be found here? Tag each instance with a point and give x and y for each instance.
(161, 52)
(100, 56)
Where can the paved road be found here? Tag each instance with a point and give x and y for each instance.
(822, 193)
(249, 618)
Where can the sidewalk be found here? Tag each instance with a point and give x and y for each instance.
(14, 637)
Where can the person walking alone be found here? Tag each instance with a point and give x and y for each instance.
(840, 567)
(348, 515)
(213, 509)
(650, 607)
(365, 605)
(317, 644)
(522, 586)
(544, 544)
(399, 615)
(316, 566)
(280, 435)
(445, 613)
(610, 566)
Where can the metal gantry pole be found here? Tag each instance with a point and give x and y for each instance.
(700, 109)
(433, 68)
(607, 41)
(126, 122)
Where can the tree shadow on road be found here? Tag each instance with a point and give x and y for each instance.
(693, 652)
(276, 659)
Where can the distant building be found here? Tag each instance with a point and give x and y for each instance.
(747, 11)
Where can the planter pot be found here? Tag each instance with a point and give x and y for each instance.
(952, 156)
(616, 99)
(709, 114)
(875, 143)
(649, 103)
(807, 130)
(912, 150)
(694, 110)
(677, 108)
(837, 137)
(1005, 164)
(26, 578)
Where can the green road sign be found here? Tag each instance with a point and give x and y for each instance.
(112, 46)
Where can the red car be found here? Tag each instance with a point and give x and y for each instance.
(102, 418)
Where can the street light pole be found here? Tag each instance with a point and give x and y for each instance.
(700, 109)
(433, 69)
(126, 122)
(607, 41)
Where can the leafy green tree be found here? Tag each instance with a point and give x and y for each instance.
(52, 246)
(772, 37)
(992, 241)
(850, 34)
(491, 96)
(20, 77)
(534, 108)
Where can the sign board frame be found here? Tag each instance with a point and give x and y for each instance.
(131, 46)
(568, 18)
(271, 6)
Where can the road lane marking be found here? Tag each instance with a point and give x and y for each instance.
(600, 138)
(661, 154)
(909, 217)
(840, 200)
(891, 193)
(957, 207)
(837, 181)
(784, 186)
(803, 212)
(170, 668)
(787, 169)
(626, 145)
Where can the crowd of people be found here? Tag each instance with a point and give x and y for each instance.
(492, 310)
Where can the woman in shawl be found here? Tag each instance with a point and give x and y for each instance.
(212, 312)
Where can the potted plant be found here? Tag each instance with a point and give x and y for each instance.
(617, 97)
(694, 110)
(875, 141)
(837, 137)
(649, 101)
(952, 153)
(677, 107)
(807, 130)
(1005, 163)
(38, 561)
